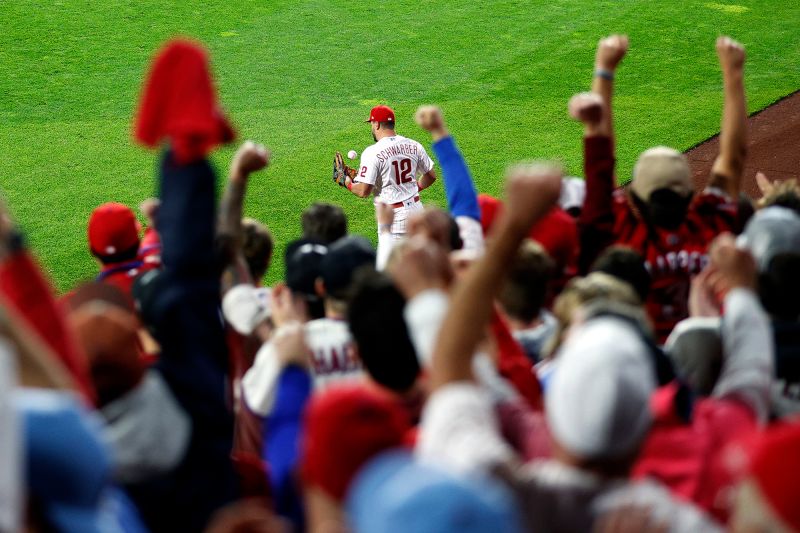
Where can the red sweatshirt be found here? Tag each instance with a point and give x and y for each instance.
(29, 294)
(671, 257)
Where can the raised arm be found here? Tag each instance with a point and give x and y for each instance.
(597, 216)
(726, 174)
(746, 332)
(250, 157)
(610, 52)
(531, 191)
(462, 198)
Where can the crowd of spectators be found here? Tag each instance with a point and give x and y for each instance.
(595, 357)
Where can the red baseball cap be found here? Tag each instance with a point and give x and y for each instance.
(381, 113)
(345, 427)
(113, 228)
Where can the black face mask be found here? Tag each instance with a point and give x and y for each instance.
(666, 208)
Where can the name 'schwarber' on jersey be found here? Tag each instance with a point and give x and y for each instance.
(393, 165)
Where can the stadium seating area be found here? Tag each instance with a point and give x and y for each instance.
(573, 356)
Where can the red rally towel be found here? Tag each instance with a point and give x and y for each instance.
(179, 102)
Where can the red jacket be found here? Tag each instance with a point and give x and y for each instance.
(557, 232)
(29, 294)
(689, 457)
(671, 257)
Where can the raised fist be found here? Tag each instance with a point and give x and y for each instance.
(731, 54)
(733, 266)
(532, 189)
(429, 118)
(610, 51)
(420, 265)
(433, 224)
(250, 157)
(384, 213)
(290, 345)
(586, 107)
(149, 209)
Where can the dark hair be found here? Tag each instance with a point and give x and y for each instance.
(627, 265)
(257, 247)
(120, 257)
(525, 290)
(386, 125)
(375, 315)
(779, 286)
(323, 222)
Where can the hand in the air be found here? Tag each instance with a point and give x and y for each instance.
(731, 55)
(532, 189)
(586, 107)
(420, 265)
(250, 157)
(610, 51)
(429, 118)
(384, 213)
(733, 267)
(290, 345)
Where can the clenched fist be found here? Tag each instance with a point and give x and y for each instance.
(429, 118)
(250, 157)
(731, 54)
(586, 107)
(610, 51)
(532, 189)
(733, 266)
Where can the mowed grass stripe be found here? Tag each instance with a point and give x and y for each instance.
(301, 76)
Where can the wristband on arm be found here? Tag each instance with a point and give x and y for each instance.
(604, 73)
(349, 185)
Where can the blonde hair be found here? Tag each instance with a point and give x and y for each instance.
(581, 291)
(783, 193)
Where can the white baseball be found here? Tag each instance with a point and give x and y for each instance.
(352, 154)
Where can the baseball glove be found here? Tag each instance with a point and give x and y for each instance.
(341, 171)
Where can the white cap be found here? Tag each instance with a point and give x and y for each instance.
(661, 167)
(573, 193)
(245, 307)
(772, 231)
(597, 403)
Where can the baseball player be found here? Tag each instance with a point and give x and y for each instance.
(395, 168)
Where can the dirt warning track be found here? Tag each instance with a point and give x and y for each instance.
(773, 146)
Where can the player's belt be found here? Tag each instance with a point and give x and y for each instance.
(401, 204)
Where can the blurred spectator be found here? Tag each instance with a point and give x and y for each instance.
(523, 298)
(626, 265)
(773, 236)
(766, 498)
(114, 240)
(325, 223)
(394, 493)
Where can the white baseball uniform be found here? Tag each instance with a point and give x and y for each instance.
(333, 361)
(392, 165)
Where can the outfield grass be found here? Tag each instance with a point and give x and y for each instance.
(301, 76)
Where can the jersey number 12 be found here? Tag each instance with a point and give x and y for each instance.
(402, 169)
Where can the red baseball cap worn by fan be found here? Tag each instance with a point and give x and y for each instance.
(114, 239)
(381, 113)
(345, 427)
(113, 230)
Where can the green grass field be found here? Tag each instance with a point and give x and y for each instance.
(301, 76)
